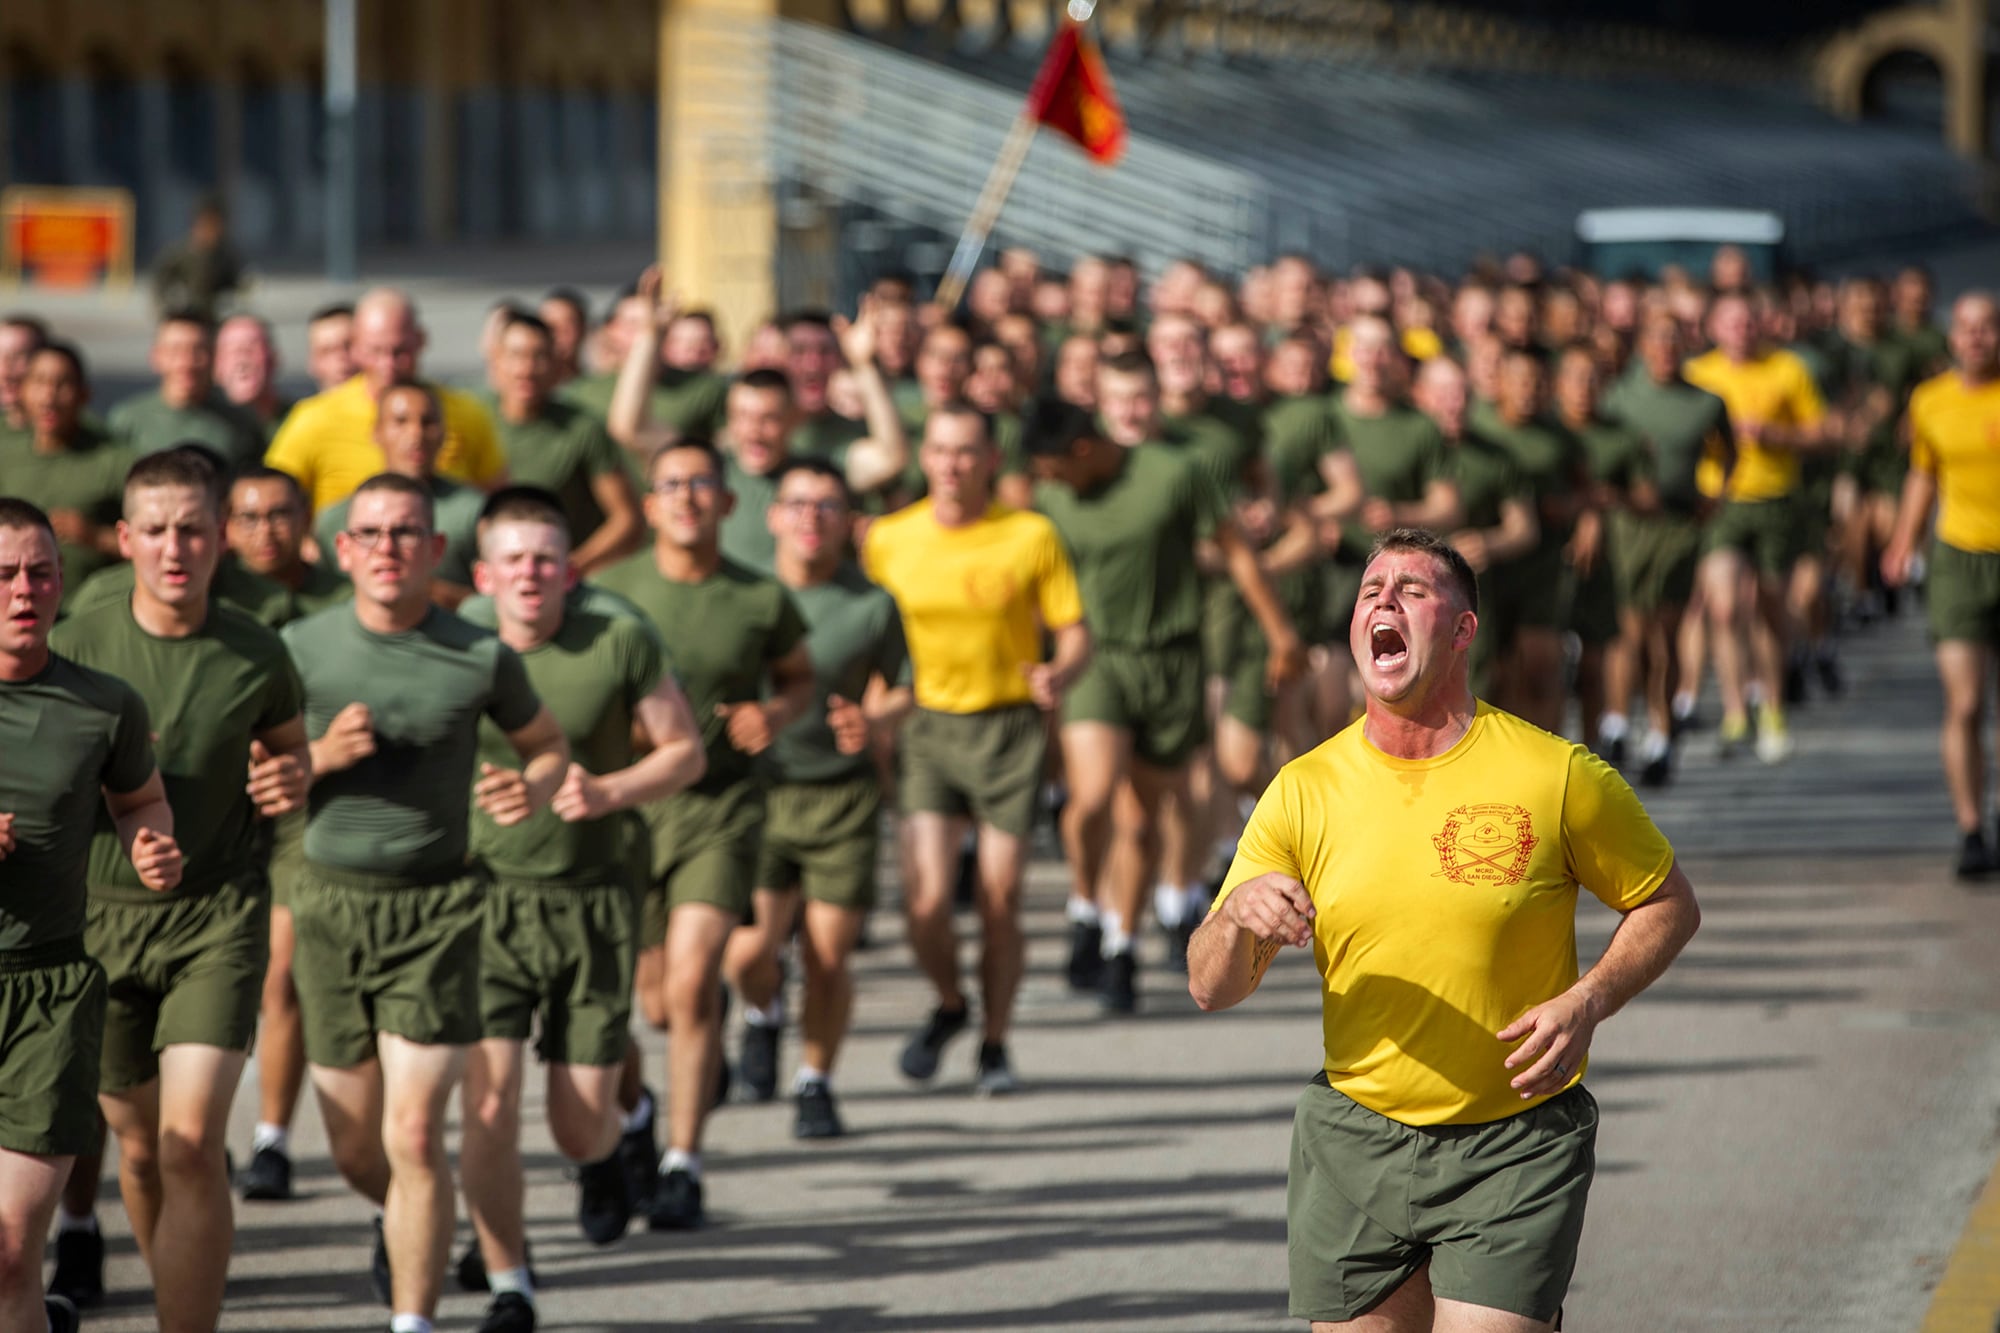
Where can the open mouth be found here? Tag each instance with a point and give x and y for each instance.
(1386, 646)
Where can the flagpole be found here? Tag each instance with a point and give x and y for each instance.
(992, 198)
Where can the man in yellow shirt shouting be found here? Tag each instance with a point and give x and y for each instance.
(1955, 466)
(1431, 854)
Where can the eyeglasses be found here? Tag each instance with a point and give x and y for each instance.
(405, 538)
(251, 519)
(796, 509)
(704, 485)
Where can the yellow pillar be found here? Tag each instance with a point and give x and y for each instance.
(718, 215)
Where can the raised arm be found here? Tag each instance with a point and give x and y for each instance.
(879, 459)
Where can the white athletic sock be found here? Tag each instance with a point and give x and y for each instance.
(679, 1160)
(275, 1137)
(1171, 903)
(1684, 704)
(808, 1077)
(410, 1323)
(1081, 911)
(1116, 939)
(68, 1221)
(515, 1280)
(1655, 746)
(641, 1116)
(1753, 694)
(1612, 727)
(771, 1015)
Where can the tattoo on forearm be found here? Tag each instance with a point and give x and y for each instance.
(1261, 956)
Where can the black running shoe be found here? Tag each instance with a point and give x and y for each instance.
(471, 1267)
(1614, 752)
(639, 1159)
(996, 1076)
(676, 1202)
(62, 1315)
(1827, 666)
(817, 1118)
(79, 1274)
(268, 1178)
(1120, 994)
(511, 1312)
(1975, 860)
(758, 1062)
(1178, 934)
(1658, 770)
(378, 1268)
(921, 1054)
(603, 1207)
(1086, 955)
(1795, 681)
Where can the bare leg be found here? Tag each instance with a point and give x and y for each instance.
(1721, 577)
(1963, 669)
(29, 1190)
(1095, 757)
(933, 845)
(691, 991)
(750, 959)
(420, 1207)
(1003, 858)
(828, 943)
(350, 1104)
(583, 1110)
(489, 1153)
(1538, 685)
(281, 1043)
(133, 1116)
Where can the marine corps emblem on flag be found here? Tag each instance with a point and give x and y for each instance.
(1486, 845)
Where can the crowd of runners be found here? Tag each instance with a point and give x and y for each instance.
(408, 723)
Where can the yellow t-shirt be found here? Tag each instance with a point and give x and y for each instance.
(328, 442)
(1775, 389)
(1955, 437)
(1445, 892)
(974, 600)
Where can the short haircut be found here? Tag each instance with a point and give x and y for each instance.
(331, 310)
(958, 407)
(395, 483)
(1134, 362)
(412, 384)
(186, 315)
(265, 472)
(263, 325)
(34, 324)
(69, 352)
(698, 315)
(1457, 572)
(700, 444)
(18, 513)
(191, 465)
(1529, 354)
(571, 297)
(1053, 427)
(518, 318)
(776, 381)
(813, 467)
(523, 504)
(811, 318)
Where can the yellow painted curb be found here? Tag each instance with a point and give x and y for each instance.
(1967, 1299)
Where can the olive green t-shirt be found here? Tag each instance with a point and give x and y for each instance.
(145, 424)
(1299, 432)
(403, 810)
(1487, 477)
(723, 632)
(825, 435)
(1222, 441)
(1399, 454)
(746, 530)
(592, 675)
(1929, 349)
(456, 509)
(1888, 363)
(88, 476)
(1550, 461)
(1132, 540)
(323, 586)
(67, 734)
(562, 450)
(854, 633)
(209, 695)
(1677, 422)
(266, 601)
(691, 402)
(1613, 451)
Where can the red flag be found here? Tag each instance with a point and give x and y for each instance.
(1072, 93)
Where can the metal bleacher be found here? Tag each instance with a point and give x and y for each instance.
(1353, 160)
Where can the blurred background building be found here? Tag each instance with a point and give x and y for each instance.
(812, 143)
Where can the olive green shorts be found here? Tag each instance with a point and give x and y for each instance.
(1654, 558)
(1495, 1209)
(1962, 595)
(1155, 694)
(1815, 506)
(567, 952)
(1767, 533)
(1222, 617)
(704, 851)
(179, 972)
(823, 838)
(1342, 582)
(288, 856)
(51, 1024)
(377, 954)
(986, 765)
(1593, 603)
(1881, 470)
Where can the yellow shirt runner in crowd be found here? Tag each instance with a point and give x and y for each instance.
(1486, 846)
(328, 443)
(1955, 438)
(1772, 389)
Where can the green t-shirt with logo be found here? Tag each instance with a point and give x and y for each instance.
(68, 734)
(146, 424)
(455, 509)
(853, 633)
(592, 675)
(1132, 540)
(88, 477)
(403, 810)
(724, 633)
(208, 695)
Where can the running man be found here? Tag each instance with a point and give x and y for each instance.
(739, 645)
(65, 464)
(977, 584)
(1954, 420)
(1442, 1155)
(823, 799)
(52, 993)
(185, 969)
(387, 914)
(561, 930)
(187, 408)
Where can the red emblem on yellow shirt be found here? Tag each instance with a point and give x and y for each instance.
(1486, 845)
